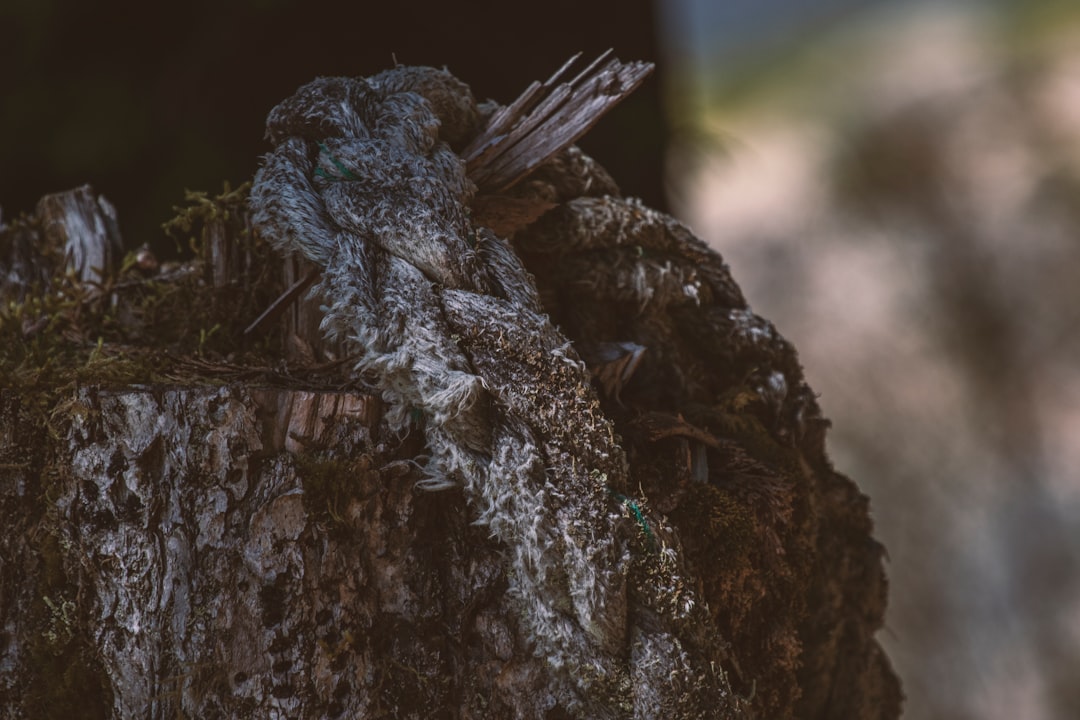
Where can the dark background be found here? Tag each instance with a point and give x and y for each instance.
(144, 101)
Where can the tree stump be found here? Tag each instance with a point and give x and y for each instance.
(205, 522)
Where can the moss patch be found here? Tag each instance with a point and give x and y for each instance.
(136, 326)
(66, 680)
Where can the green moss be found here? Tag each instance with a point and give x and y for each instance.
(66, 679)
(717, 520)
(133, 328)
(129, 328)
(200, 209)
(58, 676)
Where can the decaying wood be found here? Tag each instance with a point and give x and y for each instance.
(81, 232)
(85, 226)
(205, 523)
(213, 552)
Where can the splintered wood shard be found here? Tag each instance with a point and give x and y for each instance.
(548, 118)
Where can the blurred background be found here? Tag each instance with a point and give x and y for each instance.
(895, 183)
(897, 186)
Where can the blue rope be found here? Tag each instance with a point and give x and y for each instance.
(635, 510)
(323, 150)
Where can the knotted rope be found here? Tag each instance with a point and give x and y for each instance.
(363, 181)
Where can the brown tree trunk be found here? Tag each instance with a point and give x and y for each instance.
(199, 523)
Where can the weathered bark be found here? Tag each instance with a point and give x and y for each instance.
(188, 563)
(236, 530)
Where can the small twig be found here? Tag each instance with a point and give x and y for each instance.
(278, 306)
(659, 425)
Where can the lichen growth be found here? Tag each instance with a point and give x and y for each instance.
(66, 679)
(59, 333)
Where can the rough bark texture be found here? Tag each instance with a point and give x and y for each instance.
(238, 531)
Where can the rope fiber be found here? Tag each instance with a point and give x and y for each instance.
(442, 313)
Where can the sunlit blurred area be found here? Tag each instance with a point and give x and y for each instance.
(896, 185)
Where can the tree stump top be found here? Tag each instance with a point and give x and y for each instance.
(633, 512)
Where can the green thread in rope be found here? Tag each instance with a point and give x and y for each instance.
(336, 163)
(635, 510)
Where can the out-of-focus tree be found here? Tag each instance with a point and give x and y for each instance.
(902, 199)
